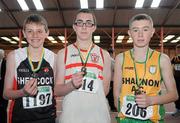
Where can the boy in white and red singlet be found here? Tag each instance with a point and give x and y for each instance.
(83, 75)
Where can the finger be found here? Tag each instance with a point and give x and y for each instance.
(34, 84)
(141, 105)
(34, 92)
(29, 83)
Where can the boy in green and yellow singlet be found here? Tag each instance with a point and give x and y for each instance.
(139, 73)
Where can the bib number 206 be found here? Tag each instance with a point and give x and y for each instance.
(135, 110)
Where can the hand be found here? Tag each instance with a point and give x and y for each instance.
(30, 88)
(77, 80)
(143, 100)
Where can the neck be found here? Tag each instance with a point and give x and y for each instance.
(35, 53)
(139, 54)
(84, 44)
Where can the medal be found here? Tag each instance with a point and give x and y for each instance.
(83, 69)
(34, 75)
(137, 92)
(85, 59)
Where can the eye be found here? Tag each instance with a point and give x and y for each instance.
(40, 31)
(135, 30)
(89, 23)
(28, 31)
(146, 29)
(79, 22)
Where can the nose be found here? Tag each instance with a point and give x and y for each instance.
(140, 34)
(84, 25)
(34, 34)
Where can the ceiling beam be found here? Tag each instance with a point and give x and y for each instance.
(169, 14)
(10, 14)
(115, 11)
(60, 10)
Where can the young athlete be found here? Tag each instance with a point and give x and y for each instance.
(29, 79)
(176, 70)
(3, 102)
(139, 73)
(83, 75)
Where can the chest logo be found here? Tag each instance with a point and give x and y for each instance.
(152, 69)
(46, 69)
(94, 57)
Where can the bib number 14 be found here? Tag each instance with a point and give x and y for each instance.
(89, 85)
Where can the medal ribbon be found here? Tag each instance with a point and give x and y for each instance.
(83, 58)
(136, 74)
(39, 63)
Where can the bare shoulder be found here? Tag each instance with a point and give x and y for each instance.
(106, 54)
(119, 58)
(11, 55)
(164, 59)
(61, 52)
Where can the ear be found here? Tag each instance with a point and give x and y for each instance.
(24, 34)
(153, 31)
(47, 33)
(129, 33)
(74, 27)
(94, 28)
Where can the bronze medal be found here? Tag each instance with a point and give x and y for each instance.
(83, 69)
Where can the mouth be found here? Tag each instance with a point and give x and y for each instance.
(83, 32)
(140, 40)
(35, 40)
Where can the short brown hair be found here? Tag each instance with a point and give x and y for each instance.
(86, 11)
(140, 17)
(36, 18)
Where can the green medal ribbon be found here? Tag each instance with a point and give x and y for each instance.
(138, 83)
(83, 69)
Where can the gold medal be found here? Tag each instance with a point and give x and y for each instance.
(34, 75)
(137, 91)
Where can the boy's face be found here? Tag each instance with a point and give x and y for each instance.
(84, 26)
(35, 34)
(141, 32)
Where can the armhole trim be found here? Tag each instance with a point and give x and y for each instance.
(102, 54)
(65, 55)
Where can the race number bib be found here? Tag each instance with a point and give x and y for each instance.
(177, 67)
(89, 85)
(131, 109)
(42, 99)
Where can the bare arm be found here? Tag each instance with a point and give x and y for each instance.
(61, 89)
(54, 66)
(169, 82)
(106, 72)
(117, 78)
(9, 93)
(168, 79)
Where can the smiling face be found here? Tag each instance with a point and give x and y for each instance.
(35, 34)
(84, 26)
(141, 31)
